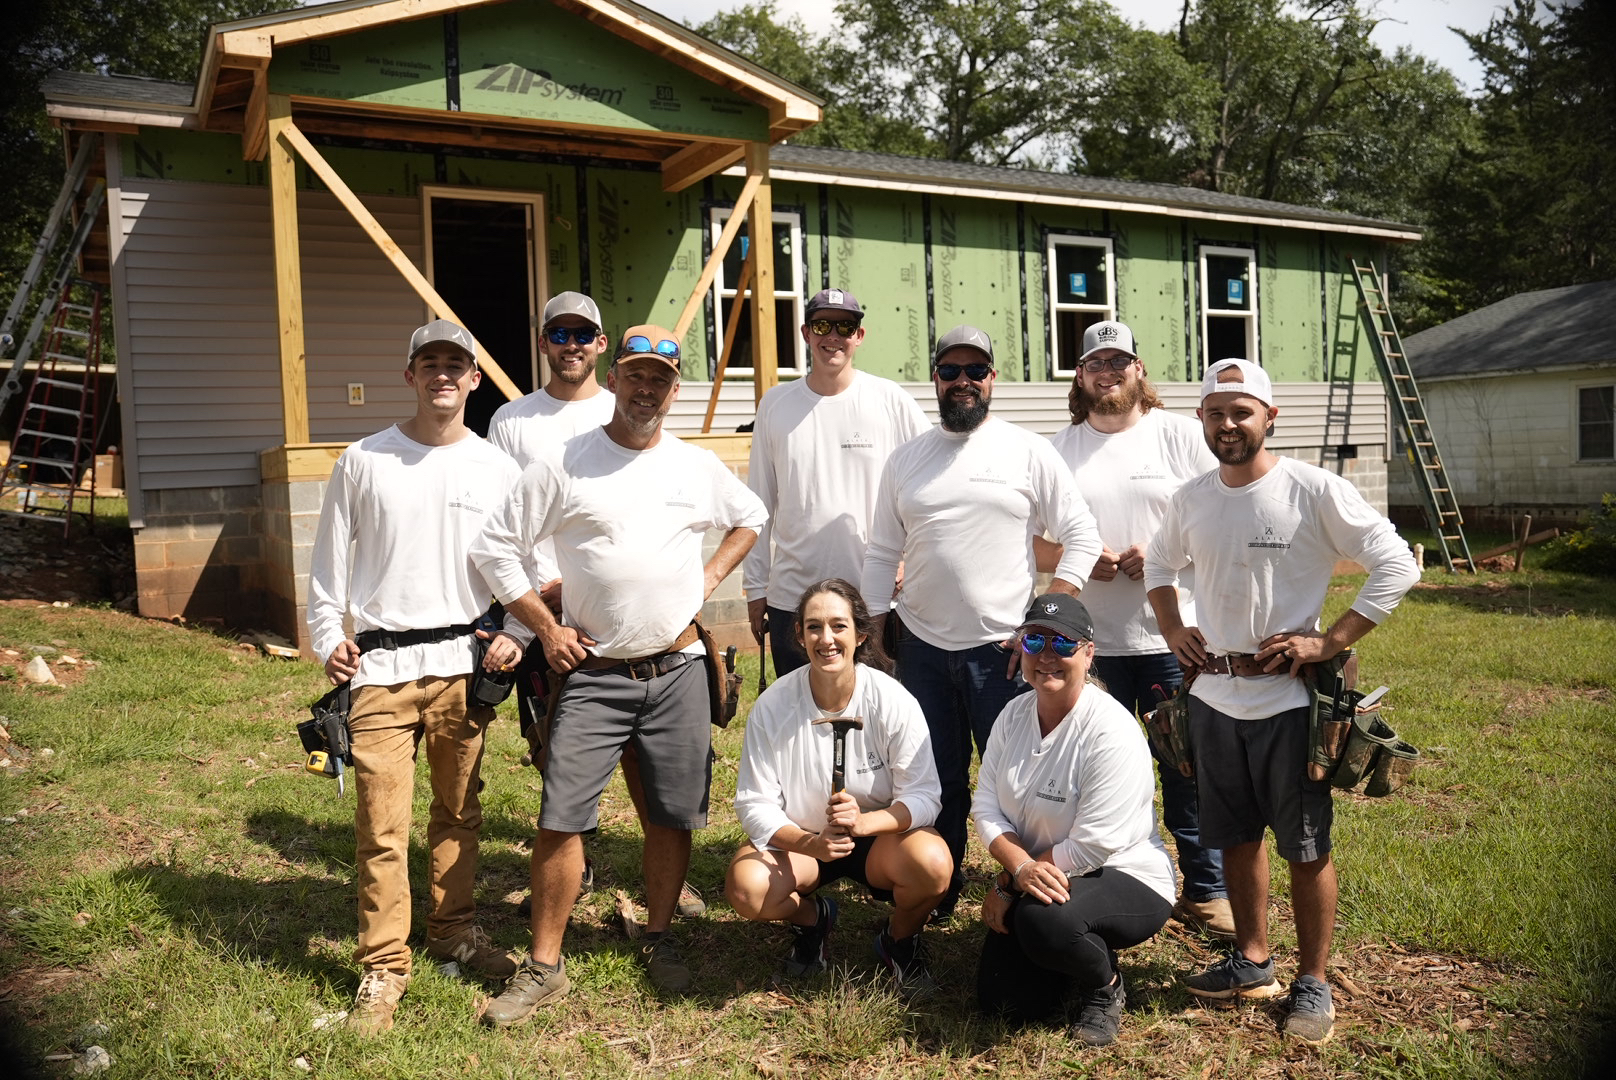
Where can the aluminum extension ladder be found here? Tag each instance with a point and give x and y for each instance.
(1430, 476)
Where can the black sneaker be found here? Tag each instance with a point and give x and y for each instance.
(664, 964)
(1312, 1016)
(1101, 1015)
(1234, 976)
(810, 944)
(906, 961)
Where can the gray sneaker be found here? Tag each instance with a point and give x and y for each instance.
(1312, 1016)
(691, 905)
(1234, 976)
(533, 985)
(664, 965)
(472, 949)
(1100, 1018)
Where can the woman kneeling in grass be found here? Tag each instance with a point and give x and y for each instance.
(876, 831)
(1063, 802)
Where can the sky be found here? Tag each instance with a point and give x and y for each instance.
(1420, 24)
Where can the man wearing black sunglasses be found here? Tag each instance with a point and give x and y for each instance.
(1128, 455)
(959, 506)
(818, 447)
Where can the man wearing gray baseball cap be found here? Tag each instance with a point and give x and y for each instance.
(959, 506)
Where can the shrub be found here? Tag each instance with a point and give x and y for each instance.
(1592, 548)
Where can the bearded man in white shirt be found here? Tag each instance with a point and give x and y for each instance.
(818, 447)
(958, 508)
(400, 513)
(1264, 534)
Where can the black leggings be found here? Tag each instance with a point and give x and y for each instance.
(1054, 949)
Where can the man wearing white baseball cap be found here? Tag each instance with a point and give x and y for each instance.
(1264, 534)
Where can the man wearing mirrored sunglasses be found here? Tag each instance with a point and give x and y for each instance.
(818, 448)
(958, 507)
(1128, 455)
(628, 506)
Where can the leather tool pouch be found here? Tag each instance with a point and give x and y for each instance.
(326, 729)
(1329, 719)
(1169, 731)
(538, 734)
(489, 687)
(723, 684)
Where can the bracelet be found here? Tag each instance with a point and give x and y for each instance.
(1007, 897)
(1016, 873)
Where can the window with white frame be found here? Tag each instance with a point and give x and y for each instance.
(1596, 423)
(1228, 303)
(789, 353)
(1082, 270)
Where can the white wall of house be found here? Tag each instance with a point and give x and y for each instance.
(1511, 441)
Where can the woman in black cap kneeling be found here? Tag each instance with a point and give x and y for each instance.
(1064, 803)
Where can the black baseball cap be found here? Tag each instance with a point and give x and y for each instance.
(1062, 613)
(833, 300)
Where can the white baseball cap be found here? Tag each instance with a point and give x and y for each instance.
(1237, 377)
(1108, 335)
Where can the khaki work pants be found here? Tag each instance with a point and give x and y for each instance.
(388, 724)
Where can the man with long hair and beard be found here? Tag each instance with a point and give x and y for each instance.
(959, 506)
(1128, 455)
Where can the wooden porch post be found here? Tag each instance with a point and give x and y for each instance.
(760, 229)
(288, 273)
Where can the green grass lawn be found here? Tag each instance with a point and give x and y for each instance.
(173, 875)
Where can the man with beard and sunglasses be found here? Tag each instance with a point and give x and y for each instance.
(628, 506)
(1128, 455)
(1264, 534)
(959, 506)
(817, 451)
(572, 402)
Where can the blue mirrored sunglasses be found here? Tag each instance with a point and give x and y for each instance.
(639, 343)
(583, 335)
(975, 372)
(1033, 644)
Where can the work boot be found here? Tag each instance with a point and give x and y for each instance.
(906, 961)
(1312, 1015)
(691, 905)
(534, 984)
(664, 965)
(1100, 1018)
(1234, 976)
(809, 945)
(1212, 916)
(472, 950)
(377, 1000)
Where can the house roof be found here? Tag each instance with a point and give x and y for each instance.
(894, 171)
(1570, 327)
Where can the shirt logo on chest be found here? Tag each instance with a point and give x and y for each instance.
(872, 764)
(1269, 539)
(989, 475)
(858, 441)
(467, 500)
(680, 497)
(1049, 792)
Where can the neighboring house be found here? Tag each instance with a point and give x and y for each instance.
(1522, 398)
(515, 148)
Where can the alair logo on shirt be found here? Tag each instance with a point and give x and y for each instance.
(872, 764)
(679, 497)
(1049, 792)
(858, 441)
(1269, 539)
(989, 475)
(1150, 470)
(467, 500)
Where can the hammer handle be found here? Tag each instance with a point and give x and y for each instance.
(838, 769)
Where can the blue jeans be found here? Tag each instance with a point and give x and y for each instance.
(1130, 679)
(961, 694)
(783, 648)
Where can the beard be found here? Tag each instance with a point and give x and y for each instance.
(642, 428)
(571, 377)
(963, 414)
(1128, 394)
(1238, 453)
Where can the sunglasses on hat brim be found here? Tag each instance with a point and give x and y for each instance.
(640, 345)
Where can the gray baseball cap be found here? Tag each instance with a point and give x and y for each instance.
(442, 330)
(967, 336)
(571, 303)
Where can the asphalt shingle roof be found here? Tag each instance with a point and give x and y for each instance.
(1574, 326)
(123, 89)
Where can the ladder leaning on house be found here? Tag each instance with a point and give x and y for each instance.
(1430, 476)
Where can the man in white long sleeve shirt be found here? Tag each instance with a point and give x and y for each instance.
(400, 513)
(1128, 455)
(1264, 534)
(628, 506)
(818, 447)
(959, 506)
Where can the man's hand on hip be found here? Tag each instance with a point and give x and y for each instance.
(565, 647)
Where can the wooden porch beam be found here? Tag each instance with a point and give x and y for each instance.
(716, 259)
(378, 235)
(697, 161)
(765, 364)
(288, 273)
(254, 131)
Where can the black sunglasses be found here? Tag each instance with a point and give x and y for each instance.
(975, 372)
(583, 335)
(823, 327)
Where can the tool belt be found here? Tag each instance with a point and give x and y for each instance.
(403, 639)
(1244, 665)
(1349, 739)
(1168, 729)
(642, 668)
(489, 687)
(723, 684)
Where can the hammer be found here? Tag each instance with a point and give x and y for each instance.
(840, 725)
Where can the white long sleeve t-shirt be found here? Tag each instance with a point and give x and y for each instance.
(1263, 556)
(959, 510)
(393, 550)
(816, 464)
(785, 772)
(628, 526)
(524, 426)
(1127, 478)
(1084, 792)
